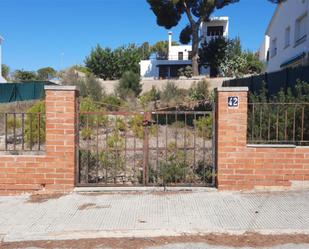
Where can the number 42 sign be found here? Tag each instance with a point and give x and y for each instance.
(232, 101)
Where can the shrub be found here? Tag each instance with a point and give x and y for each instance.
(171, 94)
(32, 125)
(151, 96)
(275, 114)
(88, 121)
(129, 85)
(185, 72)
(204, 171)
(199, 90)
(93, 88)
(89, 85)
(112, 160)
(111, 102)
(11, 123)
(137, 126)
(174, 169)
(204, 127)
(88, 105)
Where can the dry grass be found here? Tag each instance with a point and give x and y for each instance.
(40, 198)
(253, 240)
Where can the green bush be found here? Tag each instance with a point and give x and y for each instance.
(171, 95)
(151, 96)
(11, 123)
(88, 84)
(129, 85)
(32, 124)
(204, 171)
(269, 113)
(204, 127)
(113, 159)
(136, 125)
(111, 102)
(88, 120)
(93, 88)
(174, 169)
(185, 72)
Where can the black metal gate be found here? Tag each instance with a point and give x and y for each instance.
(159, 148)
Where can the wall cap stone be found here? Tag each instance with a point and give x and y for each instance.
(271, 146)
(232, 89)
(61, 88)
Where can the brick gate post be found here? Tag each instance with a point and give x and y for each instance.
(231, 131)
(61, 135)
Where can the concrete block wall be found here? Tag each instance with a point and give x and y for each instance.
(241, 166)
(54, 171)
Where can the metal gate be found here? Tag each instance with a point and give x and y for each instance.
(159, 148)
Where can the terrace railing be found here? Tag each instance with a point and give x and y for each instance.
(278, 123)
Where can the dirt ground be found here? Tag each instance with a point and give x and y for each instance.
(249, 239)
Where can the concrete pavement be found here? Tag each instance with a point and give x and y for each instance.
(151, 214)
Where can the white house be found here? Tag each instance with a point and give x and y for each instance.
(2, 80)
(286, 41)
(179, 56)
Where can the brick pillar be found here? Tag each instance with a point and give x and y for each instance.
(231, 132)
(61, 136)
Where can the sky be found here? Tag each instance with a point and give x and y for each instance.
(61, 33)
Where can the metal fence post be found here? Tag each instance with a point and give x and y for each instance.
(145, 149)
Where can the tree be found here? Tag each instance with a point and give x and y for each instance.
(127, 59)
(254, 65)
(169, 13)
(212, 53)
(5, 71)
(46, 73)
(161, 49)
(237, 62)
(145, 51)
(101, 62)
(21, 75)
(111, 64)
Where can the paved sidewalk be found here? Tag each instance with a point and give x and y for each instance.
(81, 215)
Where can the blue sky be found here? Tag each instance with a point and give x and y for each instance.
(60, 33)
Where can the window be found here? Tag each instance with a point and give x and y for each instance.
(189, 55)
(273, 47)
(300, 29)
(215, 31)
(287, 37)
(180, 56)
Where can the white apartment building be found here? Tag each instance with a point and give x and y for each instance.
(286, 41)
(2, 80)
(179, 56)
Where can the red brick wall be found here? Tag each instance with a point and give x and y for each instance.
(239, 166)
(55, 170)
(246, 167)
